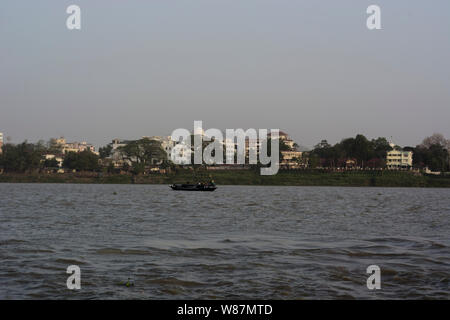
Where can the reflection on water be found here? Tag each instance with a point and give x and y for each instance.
(238, 242)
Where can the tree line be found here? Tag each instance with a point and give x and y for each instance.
(433, 153)
(28, 157)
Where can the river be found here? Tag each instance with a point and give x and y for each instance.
(239, 242)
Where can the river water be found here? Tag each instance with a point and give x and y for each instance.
(238, 242)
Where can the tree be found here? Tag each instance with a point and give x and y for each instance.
(436, 139)
(362, 149)
(40, 146)
(81, 161)
(50, 163)
(380, 147)
(20, 158)
(322, 145)
(325, 153)
(143, 152)
(313, 160)
(359, 148)
(105, 151)
(438, 158)
(435, 157)
(110, 168)
(137, 168)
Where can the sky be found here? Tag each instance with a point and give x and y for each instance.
(142, 68)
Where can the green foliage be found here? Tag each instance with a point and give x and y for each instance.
(432, 153)
(110, 168)
(20, 158)
(142, 153)
(313, 161)
(50, 163)
(105, 151)
(81, 161)
(367, 153)
(380, 147)
(435, 157)
(137, 168)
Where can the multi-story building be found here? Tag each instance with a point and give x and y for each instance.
(291, 155)
(398, 159)
(116, 155)
(67, 147)
(283, 136)
(117, 143)
(290, 158)
(78, 147)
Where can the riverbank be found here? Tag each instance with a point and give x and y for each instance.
(246, 177)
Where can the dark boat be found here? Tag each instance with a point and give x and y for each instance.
(194, 187)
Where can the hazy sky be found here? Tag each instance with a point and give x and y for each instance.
(310, 68)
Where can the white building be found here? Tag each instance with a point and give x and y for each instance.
(1, 142)
(398, 159)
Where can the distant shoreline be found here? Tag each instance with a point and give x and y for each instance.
(245, 177)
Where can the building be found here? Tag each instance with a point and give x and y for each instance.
(116, 155)
(1, 142)
(77, 147)
(283, 136)
(351, 163)
(290, 158)
(398, 159)
(117, 143)
(67, 147)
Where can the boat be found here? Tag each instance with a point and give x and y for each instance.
(194, 187)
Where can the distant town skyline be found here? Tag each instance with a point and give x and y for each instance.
(302, 147)
(139, 69)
